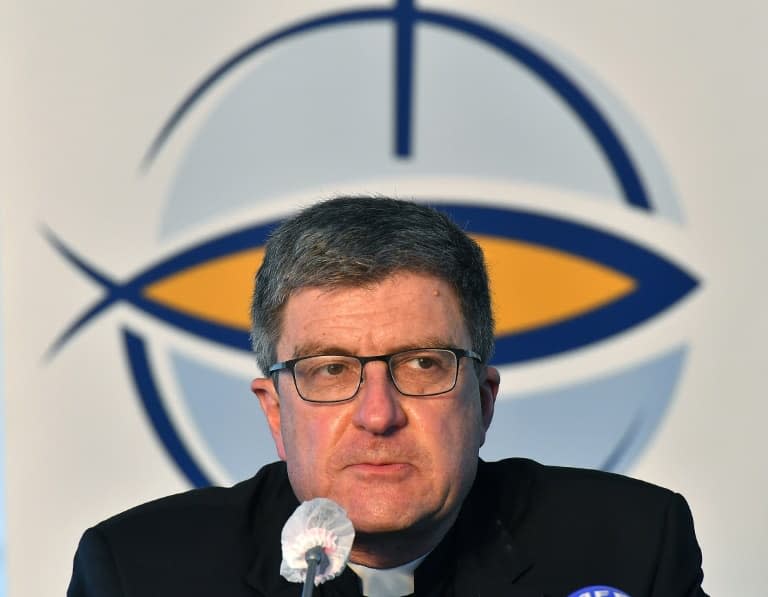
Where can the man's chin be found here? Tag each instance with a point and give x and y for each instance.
(378, 526)
(377, 499)
(388, 541)
(381, 505)
(381, 517)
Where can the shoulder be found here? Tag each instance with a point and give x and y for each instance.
(581, 504)
(209, 505)
(596, 525)
(572, 506)
(200, 525)
(202, 540)
(560, 483)
(197, 542)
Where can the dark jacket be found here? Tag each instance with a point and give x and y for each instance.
(525, 530)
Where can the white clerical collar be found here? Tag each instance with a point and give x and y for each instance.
(387, 582)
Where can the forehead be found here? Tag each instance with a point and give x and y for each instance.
(404, 310)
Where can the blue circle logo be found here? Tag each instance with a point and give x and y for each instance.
(598, 591)
(516, 141)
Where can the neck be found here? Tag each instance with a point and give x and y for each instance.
(389, 550)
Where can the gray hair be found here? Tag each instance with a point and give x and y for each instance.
(354, 241)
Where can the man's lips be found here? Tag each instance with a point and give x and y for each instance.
(380, 468)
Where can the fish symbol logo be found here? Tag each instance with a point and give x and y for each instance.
(558, 285)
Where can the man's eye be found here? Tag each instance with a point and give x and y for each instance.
(322, 368)
(334, 368)
(330, 368)
(421, 362)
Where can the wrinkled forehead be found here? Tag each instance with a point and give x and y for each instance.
(403, 310)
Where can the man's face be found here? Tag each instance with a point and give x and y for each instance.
(392, 461)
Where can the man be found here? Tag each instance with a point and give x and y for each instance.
(372, 323)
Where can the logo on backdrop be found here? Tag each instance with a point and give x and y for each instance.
(379, 99)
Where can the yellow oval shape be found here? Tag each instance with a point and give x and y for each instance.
(531, 286)
(218, 290)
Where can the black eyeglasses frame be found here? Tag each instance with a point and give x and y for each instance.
(459, 353)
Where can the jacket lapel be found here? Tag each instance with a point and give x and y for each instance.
(491, 559)
(274, 502)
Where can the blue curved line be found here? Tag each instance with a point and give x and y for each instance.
(221, 70)
(76, 260)
(551, 231)
(406, 16)
(607, 139)
(229, 336)
(660, 283)
(624, 444)
(77, 324)
(131, 291)
(156, 412)
(243, 239)
(249, 237)
(112, 292)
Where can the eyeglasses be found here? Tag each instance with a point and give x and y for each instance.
(337, 378)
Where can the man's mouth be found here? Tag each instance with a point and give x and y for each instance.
(381, 468)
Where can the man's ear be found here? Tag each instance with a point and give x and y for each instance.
(489, 388)
(265, 391)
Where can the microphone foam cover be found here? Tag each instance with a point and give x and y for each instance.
(318, 522)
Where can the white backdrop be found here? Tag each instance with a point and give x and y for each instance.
(86, 87)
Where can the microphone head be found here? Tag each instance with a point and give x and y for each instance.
(317, 523)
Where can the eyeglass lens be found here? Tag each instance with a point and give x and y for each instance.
(329, 378)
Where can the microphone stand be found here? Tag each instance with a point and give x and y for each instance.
(313, 556)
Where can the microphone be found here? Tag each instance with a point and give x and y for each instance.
(316, 542)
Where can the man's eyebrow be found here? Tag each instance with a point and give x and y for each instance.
(312, 348)
(317, 348)
(428, 342)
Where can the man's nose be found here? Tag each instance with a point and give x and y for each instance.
(378, 409)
